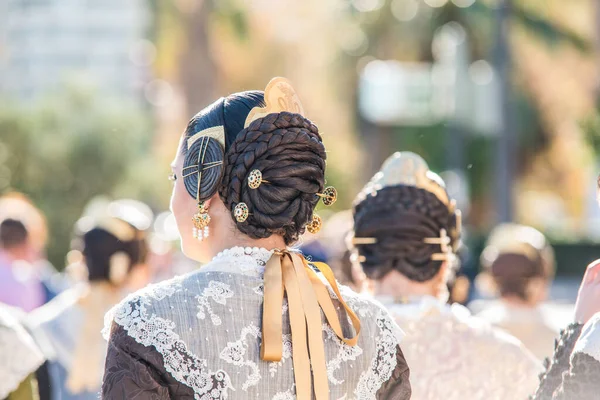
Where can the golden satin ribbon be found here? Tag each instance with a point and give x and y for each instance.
(290, 273)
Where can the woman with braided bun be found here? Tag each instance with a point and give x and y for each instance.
(406, 232)
(256, 321)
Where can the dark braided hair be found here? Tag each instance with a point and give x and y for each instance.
(285, 147)
(400, 217)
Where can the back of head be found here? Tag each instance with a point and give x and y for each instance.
(13, 234)
(221, 148)
(515, 256)
(113, 240)
(405, 221)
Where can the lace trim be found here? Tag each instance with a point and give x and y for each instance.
(384, 363)
(244, 259)
(150, 330)
(345, 353)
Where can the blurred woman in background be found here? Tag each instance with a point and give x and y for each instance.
(518, 264)
(110, 254)
(248, 174)
(406, 232)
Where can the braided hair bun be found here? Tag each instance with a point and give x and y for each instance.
(285, 147)
(399, 217)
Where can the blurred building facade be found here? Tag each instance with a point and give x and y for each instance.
(45, 43)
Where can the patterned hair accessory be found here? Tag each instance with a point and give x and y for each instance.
(279, 96)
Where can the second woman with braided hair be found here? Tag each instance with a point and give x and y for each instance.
(256, 321)
(406, 231)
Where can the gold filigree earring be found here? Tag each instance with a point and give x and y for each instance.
(314, 226)
(201, 220)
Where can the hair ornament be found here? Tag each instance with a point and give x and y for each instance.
(364, 240)
(315, 225)
(407, 168)
(241, 212)
(255, 179)
(279, 96)
(215, 132)
(329, 195)
(444, 241)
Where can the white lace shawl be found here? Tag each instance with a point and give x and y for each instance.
(19, 356)
(206, 325)
(454, 356)
(589, 340)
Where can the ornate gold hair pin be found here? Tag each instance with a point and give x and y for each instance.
(279, 96)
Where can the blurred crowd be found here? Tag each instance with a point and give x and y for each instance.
(120, 246)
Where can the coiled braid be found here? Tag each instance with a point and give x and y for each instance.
(400, 217)
(288, 150)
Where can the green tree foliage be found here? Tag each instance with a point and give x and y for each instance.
(66, 149)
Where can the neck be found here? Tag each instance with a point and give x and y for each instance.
(394, 284)
(238, 239)
(518, 302)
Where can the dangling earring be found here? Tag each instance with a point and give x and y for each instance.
(201, 220)
(314, 226)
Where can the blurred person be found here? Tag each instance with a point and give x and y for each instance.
(519, 261)
(19, 358)
(573, 372)
(248, 174)
(110, 253)
(20, 285)
(16, 206)
(406, 232)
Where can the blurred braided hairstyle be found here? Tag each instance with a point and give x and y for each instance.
(285, 147)
(399, 217)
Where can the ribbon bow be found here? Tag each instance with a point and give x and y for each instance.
(290, 273)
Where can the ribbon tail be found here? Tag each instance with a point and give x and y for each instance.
(300, 356)
(314, 323)
(334, 321)
(272, 344)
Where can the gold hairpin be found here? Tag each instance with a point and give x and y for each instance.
(279, 96)
(364, 240)
(444, 241)
(241, 212)
(215, 132)
(255, 179)
(329, 195)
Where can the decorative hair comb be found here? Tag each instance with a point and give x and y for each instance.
(279, 96)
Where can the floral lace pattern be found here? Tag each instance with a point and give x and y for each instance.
(382, 365)
(171, 318)
(218, 292)
(444, 344)
(184, 366)
(236, 354)
(345, 353)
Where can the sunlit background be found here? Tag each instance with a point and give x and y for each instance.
(499, 96)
